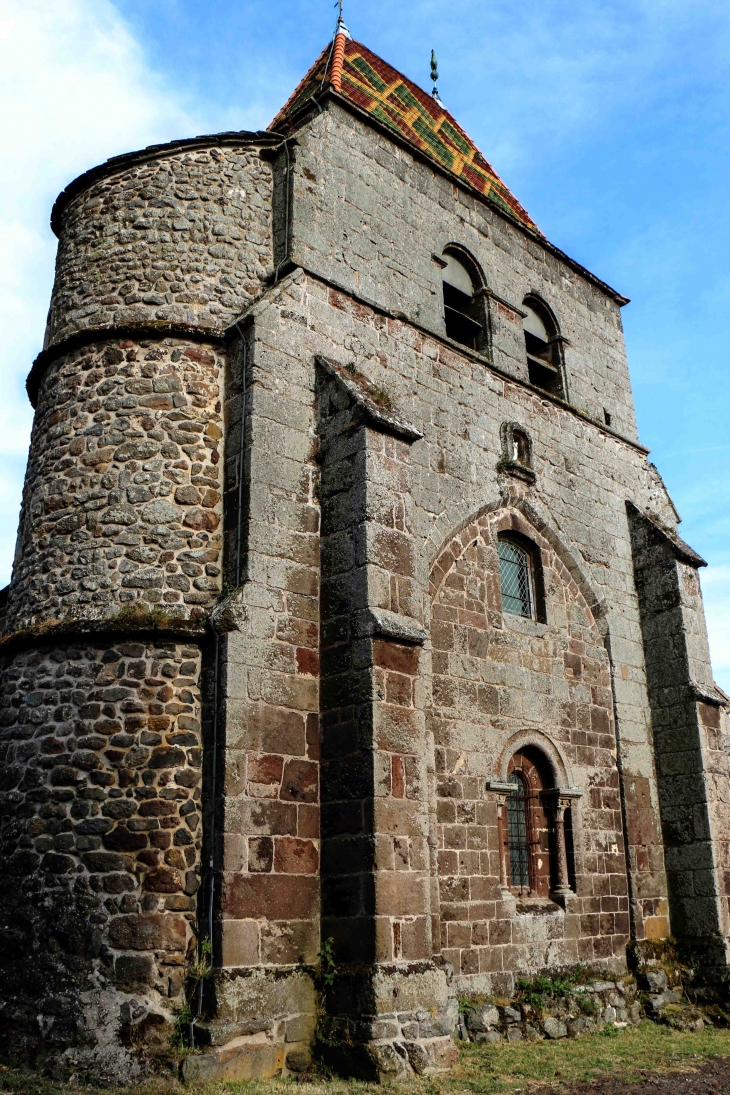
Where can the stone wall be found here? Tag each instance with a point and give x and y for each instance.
(501, 682)
(583, 476)
(122, 498)
(352, 516)
(369, 216)
(184, 237)
(101, 833)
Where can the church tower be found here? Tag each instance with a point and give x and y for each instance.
(352, 660)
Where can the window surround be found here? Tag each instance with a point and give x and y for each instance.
(548, 869)
(544, 347)
(463, 299)
(536, 581)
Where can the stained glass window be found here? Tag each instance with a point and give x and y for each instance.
(517, 834)
(514, 570)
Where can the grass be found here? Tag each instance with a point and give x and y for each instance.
(484, 1070)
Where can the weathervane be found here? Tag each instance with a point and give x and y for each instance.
(434, 75)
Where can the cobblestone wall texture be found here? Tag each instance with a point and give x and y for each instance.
(183, 238)
(122, 499)
(101, 831)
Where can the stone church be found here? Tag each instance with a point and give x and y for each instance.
(352, 660)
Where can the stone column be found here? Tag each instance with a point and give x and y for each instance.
(502, 790)
(375, 855)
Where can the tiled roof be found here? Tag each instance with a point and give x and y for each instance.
(385, 94)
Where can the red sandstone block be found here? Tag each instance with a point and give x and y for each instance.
(313, 736)
(396, 656)
(308, 821)
(307, 661)
(295, 856)
(399, 689)
(470, 961)
(273, 818)
(260, 854)
(398, 778)
(415, 939)
(300, 781)
(270, 896)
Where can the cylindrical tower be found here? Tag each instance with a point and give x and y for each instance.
(118, 563)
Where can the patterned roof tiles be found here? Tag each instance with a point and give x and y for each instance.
(414, 115)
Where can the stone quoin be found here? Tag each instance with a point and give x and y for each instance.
(352, 660)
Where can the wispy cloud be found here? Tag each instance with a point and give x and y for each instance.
(75, 88)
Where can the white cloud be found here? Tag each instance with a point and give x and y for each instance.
(74, 89)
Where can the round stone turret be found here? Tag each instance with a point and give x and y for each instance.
(118, 563)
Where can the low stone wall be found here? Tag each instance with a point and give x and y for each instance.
(585, 1008)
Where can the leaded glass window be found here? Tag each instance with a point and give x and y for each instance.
(514, 570)
(517, 834)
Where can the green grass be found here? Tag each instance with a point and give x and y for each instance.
(485, 1070)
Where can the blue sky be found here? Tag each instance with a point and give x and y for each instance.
(608, 119)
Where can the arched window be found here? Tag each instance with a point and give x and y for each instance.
(516, 579)
(543, 351)
(518, 833)
(463, 307)
(534, 831)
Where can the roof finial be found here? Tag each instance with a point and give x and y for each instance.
(341, 28)
(434, 77)
(338, 50)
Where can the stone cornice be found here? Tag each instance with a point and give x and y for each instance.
(133, 624)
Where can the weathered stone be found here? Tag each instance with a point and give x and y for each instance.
(482, 1018)
(554, 1028)
(656, 980)
(227, 1065)
(370, 684)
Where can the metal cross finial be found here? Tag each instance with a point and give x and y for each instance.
(341, 28)
(435, 76)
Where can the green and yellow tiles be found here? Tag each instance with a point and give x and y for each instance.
(373, 86)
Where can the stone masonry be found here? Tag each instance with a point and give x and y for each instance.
(264, 707)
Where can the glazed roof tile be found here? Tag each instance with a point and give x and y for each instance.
(414, 115)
